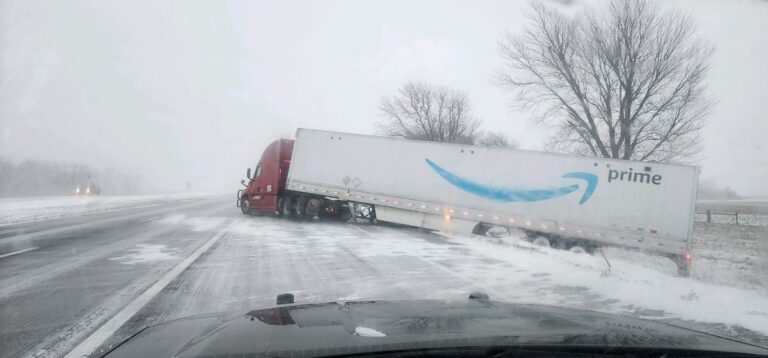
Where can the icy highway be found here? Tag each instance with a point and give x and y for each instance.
(78, 284)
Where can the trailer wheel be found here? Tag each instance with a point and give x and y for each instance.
(313, 208)
(244, 205)
(540, 241)
(577, 250)
(285, 207)
(301, 207)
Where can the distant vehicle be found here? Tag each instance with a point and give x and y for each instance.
(475, 327)
(87, 189)
(577, 202)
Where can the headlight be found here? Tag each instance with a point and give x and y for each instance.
(77, 190)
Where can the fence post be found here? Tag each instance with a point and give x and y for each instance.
(737, 218)
(709, 216)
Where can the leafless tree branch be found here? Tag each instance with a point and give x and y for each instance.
(433, 113)
(626, 81)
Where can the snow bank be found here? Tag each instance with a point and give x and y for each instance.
(22, 210)
(636, 284)
(646, 286)
(732, 255)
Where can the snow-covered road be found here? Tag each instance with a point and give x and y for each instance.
(78, 282)
(26, 210)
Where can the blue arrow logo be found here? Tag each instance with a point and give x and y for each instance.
(509, 195)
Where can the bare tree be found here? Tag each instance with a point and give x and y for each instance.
(496, 140)
(426, 112)
(625, 81)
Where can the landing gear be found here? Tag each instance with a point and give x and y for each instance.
(683, 263)
(364, 212)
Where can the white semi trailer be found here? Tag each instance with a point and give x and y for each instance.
(575, 200)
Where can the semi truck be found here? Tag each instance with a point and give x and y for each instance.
(575, 202)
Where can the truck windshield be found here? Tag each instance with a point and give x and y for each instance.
(583, 155)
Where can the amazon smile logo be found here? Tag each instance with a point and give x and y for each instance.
(519, 195)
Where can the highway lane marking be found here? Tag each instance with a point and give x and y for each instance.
(96, 339)
(17, 252)
(34, 276)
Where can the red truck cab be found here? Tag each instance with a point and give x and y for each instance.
(263, 190)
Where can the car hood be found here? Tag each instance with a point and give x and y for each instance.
(378, 326)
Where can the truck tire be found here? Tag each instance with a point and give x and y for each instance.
(286, 207)
(244, 206)
(576, 249)
(301, 207)
(540, 241)
(313, 208)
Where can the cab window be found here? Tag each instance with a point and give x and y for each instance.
(258, 171)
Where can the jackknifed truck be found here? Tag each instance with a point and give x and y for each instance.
(576, 202)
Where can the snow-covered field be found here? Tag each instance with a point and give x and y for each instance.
(23, 210)
(730, 254)
(730, 218)
(734, 255)
(752, 212)
(636, 284)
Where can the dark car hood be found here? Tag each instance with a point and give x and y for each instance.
(376, 326)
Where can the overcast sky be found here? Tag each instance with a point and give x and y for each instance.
(193, 90)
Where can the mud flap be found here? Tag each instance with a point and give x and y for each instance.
(683, 265)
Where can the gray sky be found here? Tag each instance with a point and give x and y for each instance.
(193, 90)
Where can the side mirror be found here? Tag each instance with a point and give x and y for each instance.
(248, 173)
(242, 181)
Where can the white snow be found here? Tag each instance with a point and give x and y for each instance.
(174, 219)
(637, 284)
(368, 332)
(510, 269)
(203, 224)
(144, 253)
(732, 255)
(197, 224)
(22, 210)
